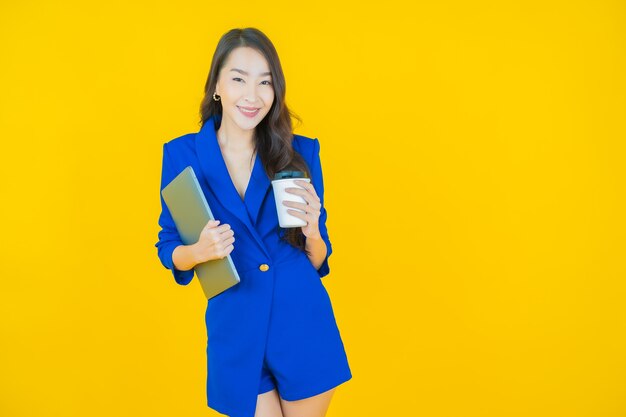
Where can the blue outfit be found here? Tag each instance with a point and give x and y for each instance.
(275, 328)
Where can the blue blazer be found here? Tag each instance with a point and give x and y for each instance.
(282, 315)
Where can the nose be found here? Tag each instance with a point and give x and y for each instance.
(251, 94)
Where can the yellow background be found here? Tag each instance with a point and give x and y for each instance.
(473, 155)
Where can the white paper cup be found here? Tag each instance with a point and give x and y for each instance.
(285, 219)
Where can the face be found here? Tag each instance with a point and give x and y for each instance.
(245, 83)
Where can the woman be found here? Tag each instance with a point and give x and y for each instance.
(273, 346)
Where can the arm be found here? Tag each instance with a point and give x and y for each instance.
(320, 248)
(184, 257)
(317, 250)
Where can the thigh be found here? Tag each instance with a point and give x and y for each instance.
(315, 406)
(268, 405)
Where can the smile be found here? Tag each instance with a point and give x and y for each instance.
(248, 113)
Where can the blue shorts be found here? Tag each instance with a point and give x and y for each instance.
(268, 382)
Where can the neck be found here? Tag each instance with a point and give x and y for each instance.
(232, 138)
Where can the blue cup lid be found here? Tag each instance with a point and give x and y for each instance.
(289, 174)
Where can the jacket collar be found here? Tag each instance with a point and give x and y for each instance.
(214, 168)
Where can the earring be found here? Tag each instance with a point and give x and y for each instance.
(218, 97)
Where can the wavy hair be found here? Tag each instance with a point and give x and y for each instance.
(273, 136)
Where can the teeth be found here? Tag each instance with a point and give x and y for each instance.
(248, 111)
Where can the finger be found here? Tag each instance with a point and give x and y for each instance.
(305, 184)
(308, 197)
(222, 228)
(313, 208)
(308, 186)
(212, 223)
(227, 233)
(295, 204)
(306, 193)
(225, 251)
(298, 214)
(295, 190)
(218, 237)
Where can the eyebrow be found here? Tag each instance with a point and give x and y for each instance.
(245, 73)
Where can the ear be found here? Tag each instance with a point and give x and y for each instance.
(217, 88)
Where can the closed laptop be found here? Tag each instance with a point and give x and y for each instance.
(190, 211)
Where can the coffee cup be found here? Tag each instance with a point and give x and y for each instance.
(281, 181)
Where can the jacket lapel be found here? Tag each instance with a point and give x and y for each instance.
(257, 189)
(214, 169)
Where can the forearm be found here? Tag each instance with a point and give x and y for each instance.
(184, 257)
(317, 250)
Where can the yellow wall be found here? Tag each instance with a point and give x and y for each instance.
(473, 155)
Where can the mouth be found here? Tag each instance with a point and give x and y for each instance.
(249, 111)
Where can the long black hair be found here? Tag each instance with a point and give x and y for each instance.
(273, 136)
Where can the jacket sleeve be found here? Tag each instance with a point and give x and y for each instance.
(168, 236)
(318, 183)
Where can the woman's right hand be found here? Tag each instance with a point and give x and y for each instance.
(215, 242)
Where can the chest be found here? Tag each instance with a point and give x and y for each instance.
(239, 170)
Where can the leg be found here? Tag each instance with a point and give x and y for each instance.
(315, 406)
(268, 405)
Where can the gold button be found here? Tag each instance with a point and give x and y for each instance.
(264, 267)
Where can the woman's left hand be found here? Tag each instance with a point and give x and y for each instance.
(311, 208)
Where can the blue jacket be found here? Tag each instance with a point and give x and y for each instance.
(281, 315)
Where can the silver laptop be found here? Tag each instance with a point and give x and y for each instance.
(189, 209)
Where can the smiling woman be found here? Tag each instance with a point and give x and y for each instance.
(246, 87)
(273, 346)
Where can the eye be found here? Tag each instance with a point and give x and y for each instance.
(268, 82)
